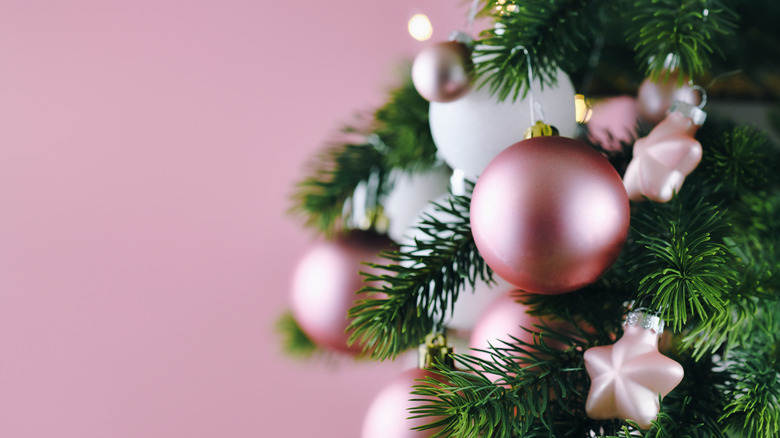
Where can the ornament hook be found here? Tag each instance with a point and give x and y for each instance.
(703, 93)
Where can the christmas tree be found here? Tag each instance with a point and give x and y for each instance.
(638, 249)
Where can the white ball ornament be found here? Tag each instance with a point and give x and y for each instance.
(410, 193)
(471, 131)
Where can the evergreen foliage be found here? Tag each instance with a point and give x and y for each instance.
(295, 343)
(420, 286)
(679, 35)
(708, 260)
(398, 137)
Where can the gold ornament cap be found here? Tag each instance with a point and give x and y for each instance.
(435, 350)
(540, 129)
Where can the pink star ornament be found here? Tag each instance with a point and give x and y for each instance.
(666, 156)
(628, 376)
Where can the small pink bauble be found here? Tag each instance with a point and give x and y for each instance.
(506, 318)
(549, 215)
(443, 72)
(388, 415)
(613, 121)
(656, 97)
(324, 286)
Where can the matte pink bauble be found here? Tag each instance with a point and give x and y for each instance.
(549, 215)
(506, 318)
(613, 121)
(656, 97)
(443, 72)
(324, 286)
(503, 320)
(388, 415)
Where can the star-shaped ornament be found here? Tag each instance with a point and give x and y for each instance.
(628, 376)
(666, 156)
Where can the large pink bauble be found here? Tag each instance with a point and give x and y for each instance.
(324, 286)
(388, 415)
(656, 97)
(549, 215)
(443, 72)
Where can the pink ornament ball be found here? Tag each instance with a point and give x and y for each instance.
(443, 72)
(549, 215)
(613, 121)
(324, 286)
(506, 318)
(656, 97)
(388, 415)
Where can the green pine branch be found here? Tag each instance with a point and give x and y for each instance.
(737, 160)
(522, 389)
(682, 261)
(753, 409)
(322, 197)
(679, 35)
(294, 343)
(538, 389)
(398, 138)
(556, 33)
(420, 286)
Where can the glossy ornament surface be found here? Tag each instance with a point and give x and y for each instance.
(324, 286)
(628, 377)
(664, 158)
(388, 415)
(472, 130)
(654, 98)
(443, 72)
(549, 215)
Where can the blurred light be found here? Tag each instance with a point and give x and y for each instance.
(581, 109)
(420, 27)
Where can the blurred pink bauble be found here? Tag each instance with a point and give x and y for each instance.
(325, 282)
(443, 72)
(504, 319)
(656, 97)
(472, 303)
(612, 121)
(549, 215)
(388, 415)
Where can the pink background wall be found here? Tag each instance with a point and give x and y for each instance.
(147, 149)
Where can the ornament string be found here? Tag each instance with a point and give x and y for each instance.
(536, 109)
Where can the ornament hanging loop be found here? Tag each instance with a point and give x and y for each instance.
(703, 93)
(531, 100)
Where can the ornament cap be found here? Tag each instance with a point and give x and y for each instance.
(540, 129)
(645, 318)
(693, 112)
(435, 350)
